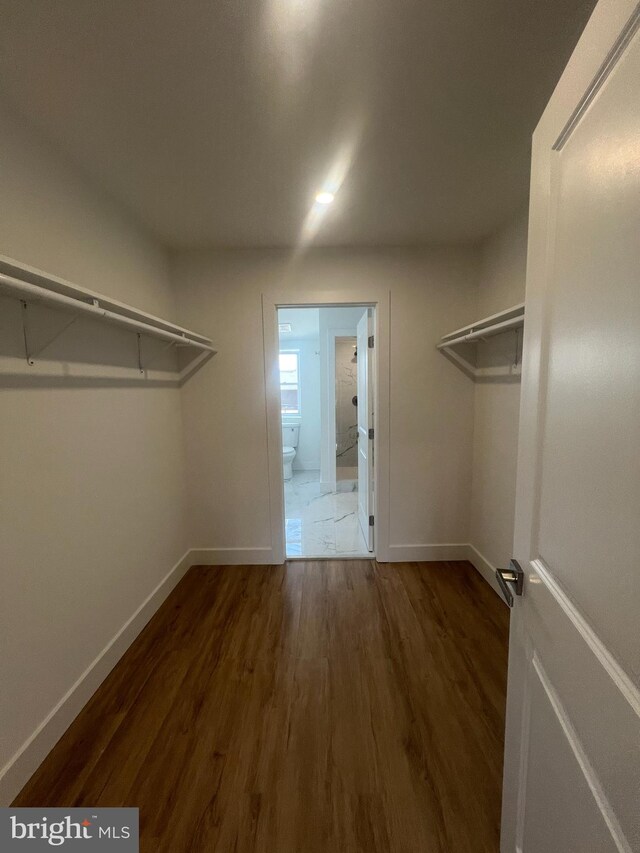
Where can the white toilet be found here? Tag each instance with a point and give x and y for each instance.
(289, 444)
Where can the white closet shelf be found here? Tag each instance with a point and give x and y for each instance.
(496, 324)
(31, 285)
(493, 325)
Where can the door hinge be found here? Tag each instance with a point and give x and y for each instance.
(370, 341)
(371, 433)
(370, 521)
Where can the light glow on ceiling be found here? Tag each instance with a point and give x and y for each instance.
(325, 197)
(332, 181)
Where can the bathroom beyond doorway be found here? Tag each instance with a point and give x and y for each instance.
(326, 402)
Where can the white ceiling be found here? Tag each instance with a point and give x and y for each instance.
(215, 122)
(305, 323)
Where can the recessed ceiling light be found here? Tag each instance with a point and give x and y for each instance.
(325, 198)
(284, 327)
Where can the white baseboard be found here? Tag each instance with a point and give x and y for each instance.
(427, 553)
(19, 769)
(485, 568)
(231, 556)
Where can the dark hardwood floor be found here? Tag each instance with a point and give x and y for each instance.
(317, 706)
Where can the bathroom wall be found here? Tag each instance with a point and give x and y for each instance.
(432, 291)
(91, 484)
(308, 451)
(497, 403)
(346, 413)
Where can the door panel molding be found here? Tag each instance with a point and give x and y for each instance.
(606, 26)
(610, 665)
(589, 773)
(586, 680)
(600, 78)
(606, 723)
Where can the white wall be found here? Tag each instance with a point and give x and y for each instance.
(496, 405)
(308, 451)
(91, 482)
(431, 400)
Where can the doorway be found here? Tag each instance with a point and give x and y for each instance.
(326, 394)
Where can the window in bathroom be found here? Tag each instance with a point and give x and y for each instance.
(290, 382)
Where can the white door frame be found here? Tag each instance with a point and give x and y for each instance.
(366, 447)
(375, 297)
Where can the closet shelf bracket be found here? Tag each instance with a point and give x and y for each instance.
(33, 354)
(167, 346)
(25, 331)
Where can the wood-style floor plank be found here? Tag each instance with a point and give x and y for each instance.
(329, 706)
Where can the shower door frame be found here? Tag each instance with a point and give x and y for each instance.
(374, 297)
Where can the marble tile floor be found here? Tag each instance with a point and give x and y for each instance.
(319, 524)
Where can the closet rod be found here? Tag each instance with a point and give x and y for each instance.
(32, 292)
(487, 332)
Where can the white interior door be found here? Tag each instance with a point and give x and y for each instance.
(365, 424)
(572, 760)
